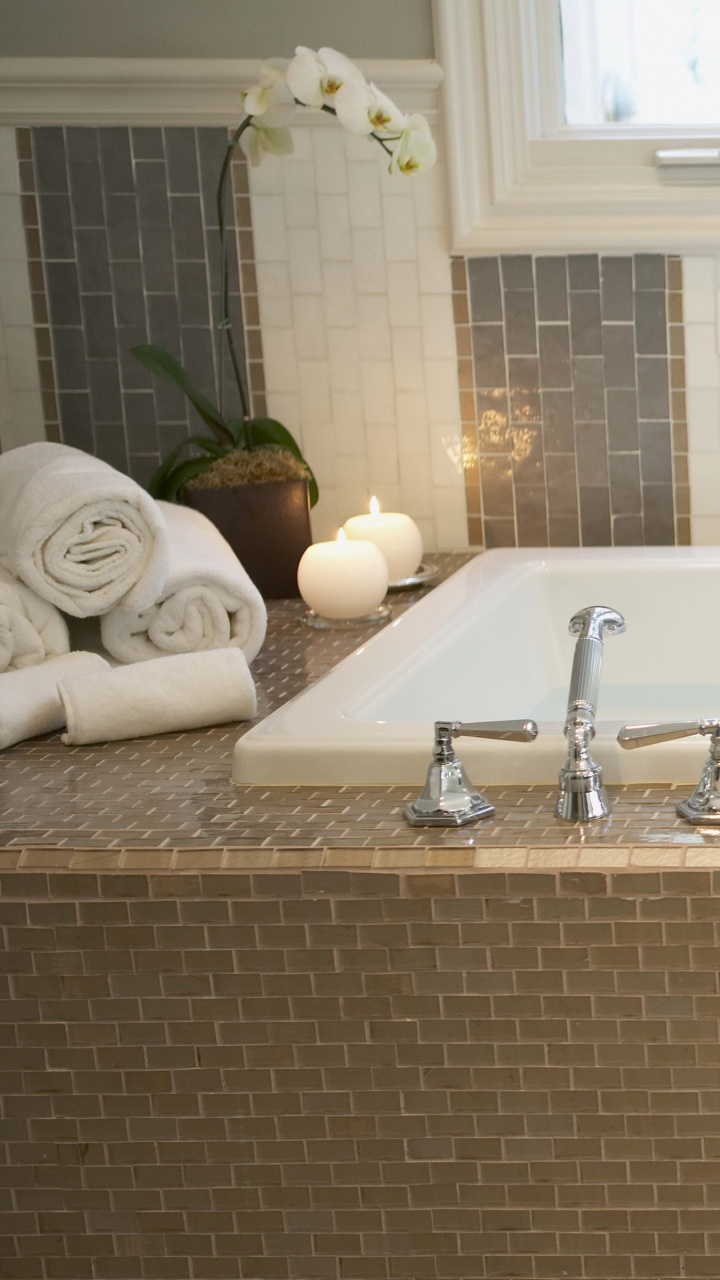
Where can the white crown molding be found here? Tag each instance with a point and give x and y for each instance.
(169, 91)
(519, 179)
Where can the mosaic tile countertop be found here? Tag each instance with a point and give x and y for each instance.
(167, 803)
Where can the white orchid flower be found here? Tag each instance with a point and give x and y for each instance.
(271, 98)
(258, 141)
(363, 109)
(416, 149)
(315, 78)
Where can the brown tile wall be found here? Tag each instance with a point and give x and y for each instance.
(356, 1076)
(572, 382)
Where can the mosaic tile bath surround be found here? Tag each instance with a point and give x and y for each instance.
(167, 803)
(242, 1038)
(572, 382)
(328, 1075)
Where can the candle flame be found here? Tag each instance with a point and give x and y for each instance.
(342, 537)
(374, 507)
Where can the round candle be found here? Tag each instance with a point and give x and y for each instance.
(343, 579)
(393, 533)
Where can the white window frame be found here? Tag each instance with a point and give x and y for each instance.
(522, 180)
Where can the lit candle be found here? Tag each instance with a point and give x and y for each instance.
(395, 534)
(343, 579)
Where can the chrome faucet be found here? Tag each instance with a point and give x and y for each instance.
(448, 798)
(703, 806)
(582, 795)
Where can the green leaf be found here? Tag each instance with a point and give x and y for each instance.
(180, 475)
(209, 445)
(238, 427)
(269, 431)
(158, 478)
(160, 362)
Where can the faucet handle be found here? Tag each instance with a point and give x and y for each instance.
(646, 735)
(448, 798)
(703, 806)
(502, 730)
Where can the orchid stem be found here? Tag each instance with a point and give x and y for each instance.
(225, 325)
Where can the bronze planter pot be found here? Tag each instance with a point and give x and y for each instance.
(267, 526)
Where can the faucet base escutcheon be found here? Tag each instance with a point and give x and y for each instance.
(582, 798)
(448, 798)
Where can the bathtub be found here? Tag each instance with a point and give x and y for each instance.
(492, 643)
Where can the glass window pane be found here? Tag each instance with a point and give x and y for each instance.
(641, 61)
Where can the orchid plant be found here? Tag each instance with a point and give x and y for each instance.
(329, 81)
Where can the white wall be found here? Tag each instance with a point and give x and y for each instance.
(21, 414)
(358, 334)
(213, 28)
(701, 313)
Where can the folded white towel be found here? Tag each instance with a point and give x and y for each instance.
(29, 699)
(77, 532)
(208, 601)
(31, 630)
(166, 695)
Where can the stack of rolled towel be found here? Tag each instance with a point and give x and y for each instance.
(171, 596)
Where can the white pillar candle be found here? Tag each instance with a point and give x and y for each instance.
(393, 533)
(343, 579)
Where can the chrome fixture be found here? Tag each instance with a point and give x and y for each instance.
(703, 806)
(448, 798)
(582, 795)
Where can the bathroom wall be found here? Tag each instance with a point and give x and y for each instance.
(528, 400)
(572, 384)
(123, 250)
(213, 28)
(335, 1075)
(701, 282)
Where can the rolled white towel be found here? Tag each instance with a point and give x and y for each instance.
(29, 699)
(208, 601)
(79, 533)
(31, 630)
(166, 695)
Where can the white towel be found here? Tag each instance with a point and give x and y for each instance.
(79, 533)
(166, 695)
(29, 699)
(31, 630)
(208, 601)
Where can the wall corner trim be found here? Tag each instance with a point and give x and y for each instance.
(168, 91)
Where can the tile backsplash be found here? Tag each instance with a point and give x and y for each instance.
(123, 249)
(572, 380)
(517, 400)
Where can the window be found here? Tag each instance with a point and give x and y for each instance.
(523, 178)
(641, 61)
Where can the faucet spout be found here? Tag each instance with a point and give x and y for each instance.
(582, 795)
